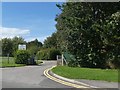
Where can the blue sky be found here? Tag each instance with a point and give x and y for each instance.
(29, 19)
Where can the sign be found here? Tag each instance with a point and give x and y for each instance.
(21, 47)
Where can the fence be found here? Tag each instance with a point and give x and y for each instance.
(59, 60)
(65, 58)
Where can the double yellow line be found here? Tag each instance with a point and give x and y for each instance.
(61, 81)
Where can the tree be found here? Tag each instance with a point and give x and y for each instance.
(21, 57)
(48, 54)
(0, 47)
(34, 42)
(112, 39)
(16, 41)
(81, 31)
(51, 41)
(7, 47)
(34, 46)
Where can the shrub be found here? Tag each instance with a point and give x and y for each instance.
(43, 54)
(48, 54)
(22, 57)
(53, 53)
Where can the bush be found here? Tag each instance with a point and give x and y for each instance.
(48, 54)
(43, 55)
(53, 53)
(22, 57)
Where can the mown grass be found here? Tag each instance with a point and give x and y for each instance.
(11, 63)
(4, 62)
(39, 62)
(110, 75)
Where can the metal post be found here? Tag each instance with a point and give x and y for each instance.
(62, 60)
(37, 59)
(8, 57)
(57, 59)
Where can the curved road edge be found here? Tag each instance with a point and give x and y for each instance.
(65, 81)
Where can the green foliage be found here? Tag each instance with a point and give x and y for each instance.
(32, 49)
(53, 54)
(51, 42)
(110, 75)
(91, 32)
(34, 43)
(16, 41)
(7, 47)
(71, 60)
(22, 57)
(112, 38)
(10, 46)
(11, 63)
(0, 47)
(48, 54)
(33, 46)
(43, 54)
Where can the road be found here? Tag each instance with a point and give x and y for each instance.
(29, 77)
(33, 77)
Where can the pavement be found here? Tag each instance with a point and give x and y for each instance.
(29, 77)
(100, 84)
(87, 83)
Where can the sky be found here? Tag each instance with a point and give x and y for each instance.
(31, 20)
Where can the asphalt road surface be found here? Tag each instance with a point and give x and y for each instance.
(33, 77)
(29, 77)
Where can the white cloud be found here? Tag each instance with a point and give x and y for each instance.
(11, 32)
(41, 39)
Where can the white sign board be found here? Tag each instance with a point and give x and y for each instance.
(21, 47)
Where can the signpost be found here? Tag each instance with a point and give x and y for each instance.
(21, 47)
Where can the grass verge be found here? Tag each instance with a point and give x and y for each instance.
(110, 75)
(39, 62)
(4, 62)
(11, 63)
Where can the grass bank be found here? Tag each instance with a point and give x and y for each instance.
(4, 62)
(87, 73)
(39, 62)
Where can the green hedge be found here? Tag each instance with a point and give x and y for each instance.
(21, 57)
(53, 53)
(42, 55)
(48, 54)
